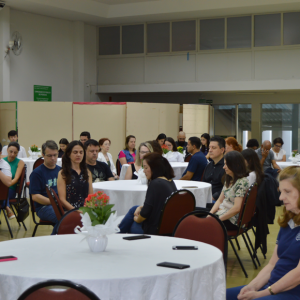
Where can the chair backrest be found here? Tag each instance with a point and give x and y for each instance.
(21, 182)
(3, 191)
(55, 202)
(38, 162)
(69, 221)
(248, 206)
(43, 291)
(196, 226)
(176, 206)
(188, 158)
(118, 167)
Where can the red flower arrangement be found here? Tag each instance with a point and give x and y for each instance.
(165, 149)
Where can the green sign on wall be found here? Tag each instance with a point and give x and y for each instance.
(42, 93)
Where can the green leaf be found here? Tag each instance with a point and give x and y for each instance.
(95, 222)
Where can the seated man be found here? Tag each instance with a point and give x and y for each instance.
(46, 173)
(253, 144)
(267, 159)
(13, 137)
(100, 170)
(181, 140)
(84, 137)
(5, 177)
(197, 163)
(214, 171)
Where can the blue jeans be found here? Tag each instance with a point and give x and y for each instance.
(232, 293)
(46, 213)
(272, 172)
(128, 225)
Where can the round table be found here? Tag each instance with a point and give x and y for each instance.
(285, 164)
(29, 162)
(178, 167)
(126, 270)
(127, 193)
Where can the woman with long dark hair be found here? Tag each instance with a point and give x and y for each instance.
(254, 166)
(145, 219)
(173, 155)
(161, 138)
(74, 181)
(63, 144)
(228, 206)
(205, 139)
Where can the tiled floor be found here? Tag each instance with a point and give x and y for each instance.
(235, 275)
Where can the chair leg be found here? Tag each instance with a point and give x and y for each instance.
(253, 250)
(34, 231)
(236, 254)
(259, 245)
(7, 222)
(12, 207)
(237, 243)
(24, 226)
(253, 260)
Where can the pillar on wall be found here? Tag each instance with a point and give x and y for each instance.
(295, 122)
(256, 121)
(4, 63)
(78, 62)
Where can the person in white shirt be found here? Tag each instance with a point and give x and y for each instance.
(106, 157)
(5, 177)
(279, 153)
(173, 155)
(13, 137)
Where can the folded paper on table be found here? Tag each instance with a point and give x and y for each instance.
(141, 177)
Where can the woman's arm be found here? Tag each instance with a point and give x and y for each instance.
(123, 160)
(91, 190)
(233, 210)
(18, 172)
(218, 203)
(128, 175)
(62, 192)
(283, 158)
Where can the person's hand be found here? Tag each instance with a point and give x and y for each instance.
(248, 295)
(137, 211)
(265, 153)
(135, 218)
(278, 170)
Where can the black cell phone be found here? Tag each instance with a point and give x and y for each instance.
(136, 237)
(7, 258)
(189, 187)
(185, 247)
(173, 265)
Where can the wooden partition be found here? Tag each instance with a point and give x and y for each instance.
(102, 120)
(8, 111)
(147, 120)
(41, 121)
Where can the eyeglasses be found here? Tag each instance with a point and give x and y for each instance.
(144, 152)
(53, 155)
(278, 146)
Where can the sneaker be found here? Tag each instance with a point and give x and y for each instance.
(10, 215)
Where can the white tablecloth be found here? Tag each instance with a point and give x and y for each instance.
(285, 164)
(30, 162)
(126, 270)
(127, 193)
(178, 167)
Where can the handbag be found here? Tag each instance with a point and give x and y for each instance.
(22, 210)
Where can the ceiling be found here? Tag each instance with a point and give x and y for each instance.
(102, 12)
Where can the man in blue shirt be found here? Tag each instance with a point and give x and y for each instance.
(197, 163)
(45, 174)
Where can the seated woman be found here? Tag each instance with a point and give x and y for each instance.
(253, 165)
(281, 276)
(106, 157)
(145, 219)
(63, 144)
(161, 139)
(156, 147)
(279, 153)
(232, 145)
(174, 156)
(16, 166)
(143, 149)
(205, 138)
(127, 156)
(74, 181)
(228, 206)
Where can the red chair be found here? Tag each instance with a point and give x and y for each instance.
(196, 226)
(68, 222)
(3, 197)
(41, 222)
(56, 289)
(176, 206)
(36, 164)
(118, 167)
(188, 158)
(20, 189)
(246, 214)
(55, 202)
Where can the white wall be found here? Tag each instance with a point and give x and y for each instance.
(49, 48)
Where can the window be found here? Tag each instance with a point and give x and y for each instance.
(212, 34)
(239, 32)
(291, 28)
(158, 37)
(109, 40)
(267, 30)
(184, 36)
(133, 39)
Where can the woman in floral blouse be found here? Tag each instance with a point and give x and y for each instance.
(228, 206)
